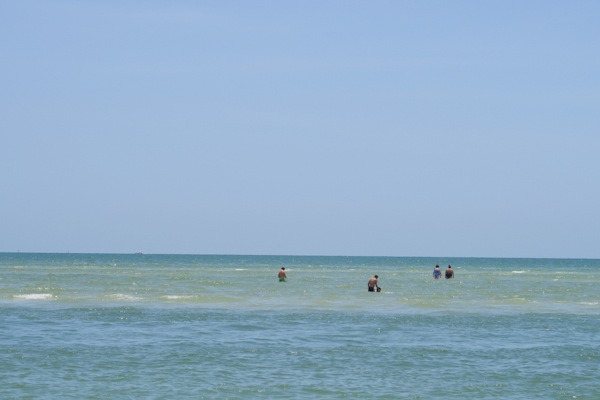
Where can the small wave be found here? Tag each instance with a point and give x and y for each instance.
(241, 269)
(518, 272)
(120, 296)
(589, 303)
(174, 297)
(34, 296)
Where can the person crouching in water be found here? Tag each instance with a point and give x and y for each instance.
(372, 285)
(281, 275)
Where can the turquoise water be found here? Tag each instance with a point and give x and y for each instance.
(222, 327)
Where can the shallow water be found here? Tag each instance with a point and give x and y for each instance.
(216, 327)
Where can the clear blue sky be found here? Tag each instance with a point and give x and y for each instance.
(402, 128)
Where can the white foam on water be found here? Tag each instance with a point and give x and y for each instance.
(518, 272)
(34, 296)
(174, 297)
(121, 296)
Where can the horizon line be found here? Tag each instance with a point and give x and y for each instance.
(138, 253)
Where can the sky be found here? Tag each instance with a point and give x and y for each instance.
(375, 128)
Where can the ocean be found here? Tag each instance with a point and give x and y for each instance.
(142, 326)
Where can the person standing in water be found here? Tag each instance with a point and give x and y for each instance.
(373, 284)
(436, 272)
(282, 276)
(449, 272)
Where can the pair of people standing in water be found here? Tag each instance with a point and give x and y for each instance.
(437, 273)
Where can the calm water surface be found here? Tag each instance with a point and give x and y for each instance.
(221, 327)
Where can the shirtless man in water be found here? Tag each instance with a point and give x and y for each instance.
(449, 273)
(373, 283)
(281, 275)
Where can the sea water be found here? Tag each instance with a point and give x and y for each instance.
(97, 326)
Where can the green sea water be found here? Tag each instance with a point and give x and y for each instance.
(92, 326)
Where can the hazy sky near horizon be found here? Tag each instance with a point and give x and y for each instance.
(399, 128)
